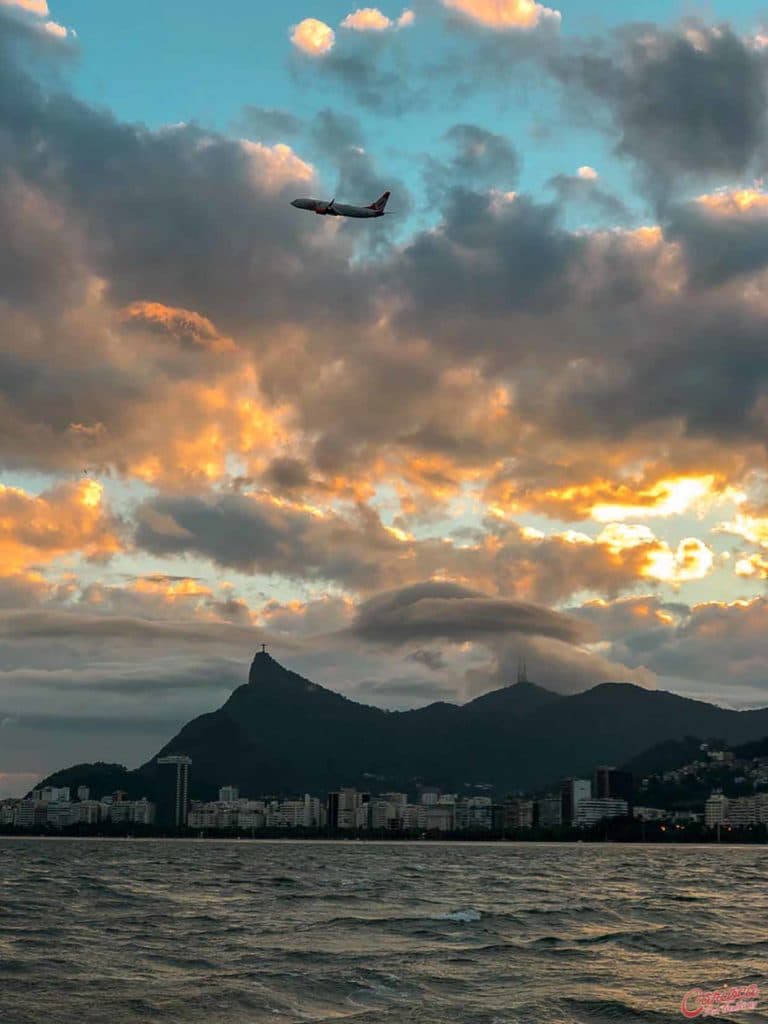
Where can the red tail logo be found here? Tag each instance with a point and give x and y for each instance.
(380, 203)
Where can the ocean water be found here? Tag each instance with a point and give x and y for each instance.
(238, 932)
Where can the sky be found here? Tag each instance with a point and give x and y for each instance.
(524, 416)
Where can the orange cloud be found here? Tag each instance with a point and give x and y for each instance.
(751, 528)
(53, 28)
(371, 19)
(39, 7)
(607, 501)
(181, 324)
(750, 566)
(733, 202)
(70, 519)
(171, 589)
(313, 37)
(506, 14)
(276, 166)
(691, 560)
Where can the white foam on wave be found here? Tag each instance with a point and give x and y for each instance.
(466, 916)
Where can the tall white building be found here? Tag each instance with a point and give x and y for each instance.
(572, 793)
(414, 817)
(440, 817)
(716, 810)
(348, 809)
(182, 763)
(54, 794)
(475, 813)
(89, 812)
(590, 812)
(60, 814)
(30, 813)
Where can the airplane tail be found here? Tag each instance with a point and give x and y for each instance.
(380, 203)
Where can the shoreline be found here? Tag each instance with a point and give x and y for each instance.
(335, 841)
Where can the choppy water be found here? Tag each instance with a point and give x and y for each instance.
(180, 932)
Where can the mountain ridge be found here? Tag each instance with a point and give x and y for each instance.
(282, 733)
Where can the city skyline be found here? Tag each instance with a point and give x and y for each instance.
(523, 417)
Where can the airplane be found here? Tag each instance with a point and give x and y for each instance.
(334, 209)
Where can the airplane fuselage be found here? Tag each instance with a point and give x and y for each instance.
(334, 209)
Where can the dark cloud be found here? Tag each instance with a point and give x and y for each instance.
(685, 103)
(16, 627)
(373, 68)
(481, 159)
(181, 216)
(268, 124)
(713, 650)
(587, 192)
(339, 140)
(434, 660)
(287, 474)
(718, 246)
(489, 257)
(254, 534)
(141, 680)
(434, 609)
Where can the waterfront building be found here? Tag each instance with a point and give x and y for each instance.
(474, 813)
(176, 807)
(611, 782)
(549, 811)
(572, 792)
(590, 812)
(440, 817)
(348, 809)
(8, 811)
(54, 794)
(30, 813)
(414, 817)
(89, 812)
(716, 810)
(650, 814)
(516, 813)
(119, 812)
(250, 819)
(60, 814)
(385, 814)
(142, 812)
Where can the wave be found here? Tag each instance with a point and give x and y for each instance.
(466, 916)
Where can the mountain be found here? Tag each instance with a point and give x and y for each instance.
(520, 699)
(280, 733)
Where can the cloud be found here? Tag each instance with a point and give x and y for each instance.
(431, 610)
(268, 124)
(371, 19)
(39, 7)
(711, 650)
(183, 325)
(480, 159)
(716, 124)
(70, 518)
(506, 15)
(34, 14)
(261, 533)
(582, 187)
(313, 37)
(723, 234)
